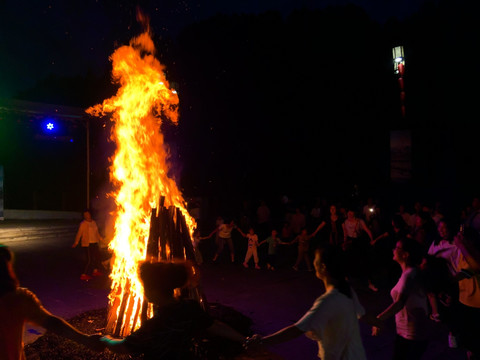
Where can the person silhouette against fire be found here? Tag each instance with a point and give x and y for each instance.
(177, 321)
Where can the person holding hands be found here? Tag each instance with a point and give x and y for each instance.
(251, 247)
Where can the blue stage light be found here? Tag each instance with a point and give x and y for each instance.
(51, 127)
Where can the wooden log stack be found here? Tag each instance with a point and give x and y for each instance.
(169, 239)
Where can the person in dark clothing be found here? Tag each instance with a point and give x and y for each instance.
(176, 322)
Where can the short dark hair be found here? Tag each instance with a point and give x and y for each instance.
(399, 222)
(166, 276)
(334, 260)
(414, 250)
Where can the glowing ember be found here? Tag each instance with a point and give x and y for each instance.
(139, 170)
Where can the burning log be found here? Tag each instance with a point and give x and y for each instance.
(121, 312)
(169, 238)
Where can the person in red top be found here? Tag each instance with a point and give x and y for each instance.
(19, 305)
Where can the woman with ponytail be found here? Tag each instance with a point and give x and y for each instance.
(332, 320)
(18, 306)
(409, 304)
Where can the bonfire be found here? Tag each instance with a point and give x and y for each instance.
(139, 172)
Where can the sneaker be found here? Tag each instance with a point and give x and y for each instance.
(96, 273)
(257, 267)
(452, 341)
(245, 265)
(85, 277)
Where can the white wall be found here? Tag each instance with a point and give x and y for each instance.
(10, 214)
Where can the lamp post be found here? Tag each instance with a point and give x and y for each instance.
(87, 123)
(399, 69)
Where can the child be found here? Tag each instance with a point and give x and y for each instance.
(252, 247)
(272, 242)
(303, 240)
(196, 241)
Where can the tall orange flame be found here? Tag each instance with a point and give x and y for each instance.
(139, 170)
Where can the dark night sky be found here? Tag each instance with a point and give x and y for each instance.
(330, 134)
(69, 38)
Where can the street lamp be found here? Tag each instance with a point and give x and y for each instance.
(87, 125)
(398, 58)
(399, 69)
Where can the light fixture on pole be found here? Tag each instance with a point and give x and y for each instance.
(399, 69)
(398, 58)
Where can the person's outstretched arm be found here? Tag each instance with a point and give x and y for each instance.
(213, 232)
(240, 231)
(294, 240)
(288, 333)
(366, 229)
(38, 315)
(319, 227)
(61, 327)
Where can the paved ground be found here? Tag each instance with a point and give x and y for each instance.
(271, 299)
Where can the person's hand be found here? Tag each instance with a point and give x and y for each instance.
(312, 336)
(252, 341)
(74, 245)
(375, 331)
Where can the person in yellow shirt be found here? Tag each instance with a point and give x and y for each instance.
(468, 267)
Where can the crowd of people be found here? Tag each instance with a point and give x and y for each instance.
(430, 262)
(427, 258)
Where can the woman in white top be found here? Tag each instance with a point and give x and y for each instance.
(352, 230)
(89, 237)
(332, 320)
(444, 247)
(409, 304)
